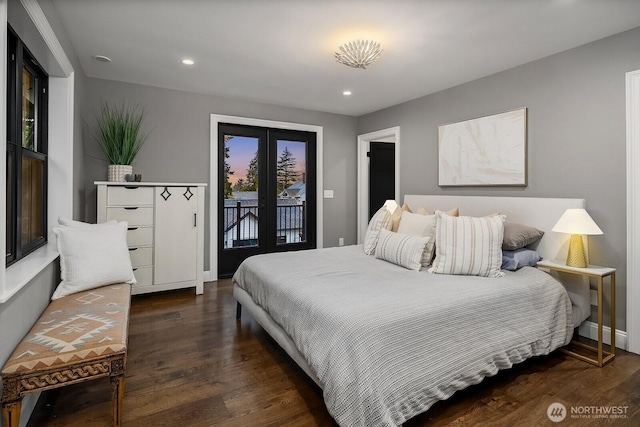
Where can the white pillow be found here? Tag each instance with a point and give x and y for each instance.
(92, 256)
(380, 220)
(420, 225)
(67, 222)
(469, 246)
(401, 249)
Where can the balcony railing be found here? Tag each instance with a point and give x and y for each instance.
(241, 223)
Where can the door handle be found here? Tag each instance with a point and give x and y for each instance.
(132, 228)
(131, 208)
(195, 219)
(133, 249)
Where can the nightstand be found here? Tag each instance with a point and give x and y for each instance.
(599, 273)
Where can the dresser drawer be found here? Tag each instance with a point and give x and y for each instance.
(129, 196)
(141, 257)
(144, 276)
(134, 216)
(139, 236)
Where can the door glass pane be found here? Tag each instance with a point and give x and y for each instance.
(291, 215)
(32, 192)
(240, 191)
(28, 110)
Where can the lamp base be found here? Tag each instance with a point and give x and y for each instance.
(576, 256)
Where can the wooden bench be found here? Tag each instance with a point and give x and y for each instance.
(80, 337)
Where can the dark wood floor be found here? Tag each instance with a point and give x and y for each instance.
(191, 364)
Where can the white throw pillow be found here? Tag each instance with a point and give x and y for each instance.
(380, 220)
(92, 256)
(401, 249)
(469, 246)
(420, 225)
(67, 222)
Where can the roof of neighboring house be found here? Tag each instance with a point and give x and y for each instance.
(298, 190)
(230, 217)
(245, 195)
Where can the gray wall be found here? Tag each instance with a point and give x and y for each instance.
(178, 147)
(576, 136)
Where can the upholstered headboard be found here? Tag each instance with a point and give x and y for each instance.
(541, 213)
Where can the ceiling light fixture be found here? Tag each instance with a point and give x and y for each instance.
(346, 93)
(359, 53)
(101, 58)
(187, 62)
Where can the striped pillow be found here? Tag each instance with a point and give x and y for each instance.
(401, 249)
(381, 220)
(468, 246)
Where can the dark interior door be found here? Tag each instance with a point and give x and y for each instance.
(267, 193)
(382, 174)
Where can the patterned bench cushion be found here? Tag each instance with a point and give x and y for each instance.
(77, 328)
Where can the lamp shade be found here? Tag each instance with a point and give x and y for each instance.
(391, 205)
(576, 221)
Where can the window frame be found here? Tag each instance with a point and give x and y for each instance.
(19, 57)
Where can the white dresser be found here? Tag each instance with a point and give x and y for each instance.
(165, 234)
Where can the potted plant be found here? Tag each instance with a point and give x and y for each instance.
(120, 137)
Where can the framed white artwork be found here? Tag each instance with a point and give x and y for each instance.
(486, 151)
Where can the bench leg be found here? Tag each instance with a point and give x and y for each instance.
(117, 394)
(11, 413)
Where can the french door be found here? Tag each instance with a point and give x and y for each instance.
(266, 195)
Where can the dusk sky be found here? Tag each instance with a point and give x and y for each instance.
(242, 149)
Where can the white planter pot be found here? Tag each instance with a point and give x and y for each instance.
(117, 173)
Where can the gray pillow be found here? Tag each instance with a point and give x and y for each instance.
(518, 236)
(514, 260)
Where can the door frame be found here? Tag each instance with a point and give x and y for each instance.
(363, 173)
(633, 210)
(213, 177)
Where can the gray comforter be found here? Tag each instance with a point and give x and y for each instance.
(386, 343)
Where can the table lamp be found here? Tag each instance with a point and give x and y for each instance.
(576, 222)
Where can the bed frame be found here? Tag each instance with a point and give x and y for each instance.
(541, 213)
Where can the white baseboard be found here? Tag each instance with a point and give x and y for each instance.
(589, 330)
(206, 276)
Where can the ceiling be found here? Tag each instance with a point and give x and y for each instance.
(281, 51)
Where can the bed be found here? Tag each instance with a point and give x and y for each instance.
(385, 343)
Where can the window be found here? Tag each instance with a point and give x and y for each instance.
(26, 157)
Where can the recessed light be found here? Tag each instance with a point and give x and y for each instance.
(346, 93)
(187, 62)
(101, 58)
